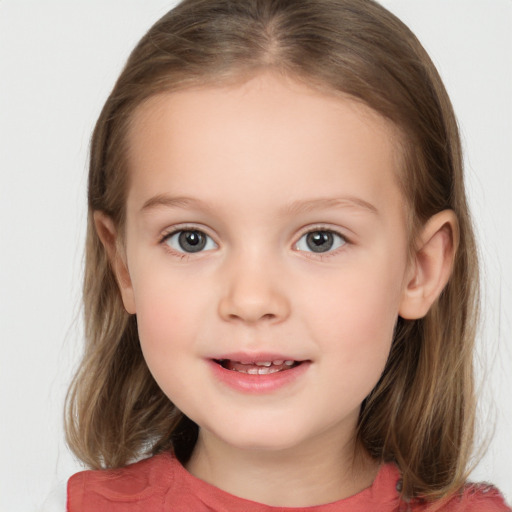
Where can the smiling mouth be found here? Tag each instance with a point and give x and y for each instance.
(259, 367)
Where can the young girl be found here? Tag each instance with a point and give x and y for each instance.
(281, 279)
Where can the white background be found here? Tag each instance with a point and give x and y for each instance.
(58, 61)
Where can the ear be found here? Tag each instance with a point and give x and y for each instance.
(431, 266)
(109, 238)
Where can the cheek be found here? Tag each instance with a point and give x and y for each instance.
(361, 304)
(167, 315)
(167, 326)
(353, 321)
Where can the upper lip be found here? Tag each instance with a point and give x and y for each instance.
(255, 357)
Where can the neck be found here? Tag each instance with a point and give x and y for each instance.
(324, 471)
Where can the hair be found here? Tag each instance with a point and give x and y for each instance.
(421, 413)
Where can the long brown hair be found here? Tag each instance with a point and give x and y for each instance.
(421, 413)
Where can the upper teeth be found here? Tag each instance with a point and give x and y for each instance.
(277, 362)
(258, 367)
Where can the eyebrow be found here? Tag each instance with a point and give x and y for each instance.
(163, 200)
(330, 202)
(294, 208)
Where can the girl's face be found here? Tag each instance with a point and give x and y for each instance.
(264, 225)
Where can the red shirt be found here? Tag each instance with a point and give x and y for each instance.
(162, 484)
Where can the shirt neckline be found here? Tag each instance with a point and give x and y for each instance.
(382, 492)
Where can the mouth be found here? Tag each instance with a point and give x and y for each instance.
(258, 374)
(258, 367)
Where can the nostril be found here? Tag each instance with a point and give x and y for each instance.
(252, 318)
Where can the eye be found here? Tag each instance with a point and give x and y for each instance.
(189, 241)
(320, 241)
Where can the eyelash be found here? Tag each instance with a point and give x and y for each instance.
(311, 254)
(168, 235)
(323, 255)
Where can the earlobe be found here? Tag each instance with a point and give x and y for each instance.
(108, 235)
(432, 265)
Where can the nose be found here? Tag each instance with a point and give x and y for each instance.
(253, 293)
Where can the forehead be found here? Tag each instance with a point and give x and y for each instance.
(269, 133)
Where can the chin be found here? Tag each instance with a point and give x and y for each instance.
(263, 438)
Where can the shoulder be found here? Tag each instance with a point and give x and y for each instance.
(482, 498)
(473, 498)
(145, 482)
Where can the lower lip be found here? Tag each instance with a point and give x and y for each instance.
(258, 384)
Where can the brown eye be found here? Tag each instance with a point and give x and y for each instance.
(190, 241)
(320, 241)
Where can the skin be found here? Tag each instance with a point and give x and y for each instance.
(247, 156)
